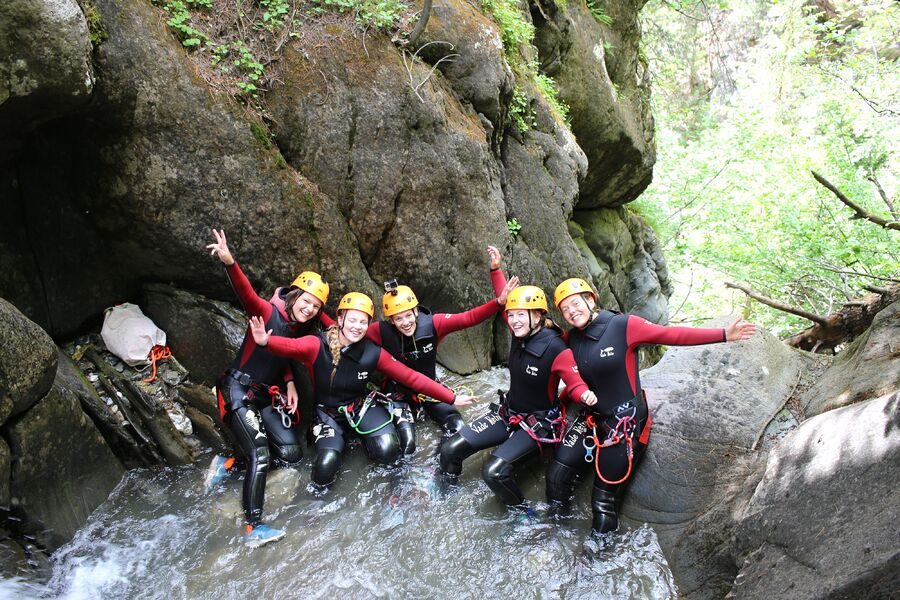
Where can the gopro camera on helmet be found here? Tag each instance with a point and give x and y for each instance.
(391, 285)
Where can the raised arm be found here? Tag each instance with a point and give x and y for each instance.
(447, 323)
(640, 331)
(303, 349)
(250, 300)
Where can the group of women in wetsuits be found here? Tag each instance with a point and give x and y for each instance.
(596, 359)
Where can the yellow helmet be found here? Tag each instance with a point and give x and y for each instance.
(312, 282)
(357, 301)
(527, 297)
(397, 300)
(570, 287)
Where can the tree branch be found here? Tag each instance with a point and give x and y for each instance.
(884, 197)
(861, 213)
(776, 304)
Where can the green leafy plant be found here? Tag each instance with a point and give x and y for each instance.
(520, 111)
(513, 227)
(599, 15)
(380, 14)
(96, 31)
(548, 88)
(180, 22)
(274, 13)
(252, 69)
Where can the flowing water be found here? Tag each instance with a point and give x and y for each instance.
(379, 533)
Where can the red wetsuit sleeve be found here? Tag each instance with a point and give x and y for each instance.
(374, 332)
(303, 349)
(250, 300)
(446, 323)
(325, 320)
(498, 280)
(640, 331)
(414, 380)
(564, 367)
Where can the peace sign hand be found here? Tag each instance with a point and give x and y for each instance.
(220, 248)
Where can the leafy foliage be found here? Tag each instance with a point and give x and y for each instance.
(513, 227)
(599, 15)
(741, 121)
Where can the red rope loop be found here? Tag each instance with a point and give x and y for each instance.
(157, 353)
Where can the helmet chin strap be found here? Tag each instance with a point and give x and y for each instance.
(531, 327)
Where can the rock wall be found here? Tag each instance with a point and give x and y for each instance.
(369, 176)
(745, 509)
(55, 467)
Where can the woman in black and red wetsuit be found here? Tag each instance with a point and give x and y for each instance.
(411, 334)
(340, 362)
(249, 393)
(530, 415)
(612, 434)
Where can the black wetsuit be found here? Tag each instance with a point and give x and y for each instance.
(606, 352)
(245, 403)
(536, 364)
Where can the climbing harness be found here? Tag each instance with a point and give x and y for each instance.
(157, 353)
(373, 398)
(623, 430)
(535, 423)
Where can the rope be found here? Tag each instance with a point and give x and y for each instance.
(347, 411)
(622, 431)
(157, 353)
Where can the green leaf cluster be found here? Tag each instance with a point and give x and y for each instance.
(733, 198)
(380, 14)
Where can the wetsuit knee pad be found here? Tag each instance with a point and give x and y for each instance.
(383, 449)
(603, 505)
(453, 423)
(407, 434)
(560, 482)
(290, 454)
(454, 451)
(326, 466)
(497, 474)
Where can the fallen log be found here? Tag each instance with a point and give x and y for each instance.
(151, 412)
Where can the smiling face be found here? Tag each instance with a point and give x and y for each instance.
(522, 321)
(352, 325)
(576, 310)
(306, 307)
(405, 322)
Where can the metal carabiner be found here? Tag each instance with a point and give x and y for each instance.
(285, 418)
(589, 449)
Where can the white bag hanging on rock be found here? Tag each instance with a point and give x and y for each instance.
(130, 335)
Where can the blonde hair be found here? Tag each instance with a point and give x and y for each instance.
(334, 345)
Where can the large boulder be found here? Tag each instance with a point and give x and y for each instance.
(45, 64)
(414, 177)
(710, 405)
(27, 362)
(474, 64)
(869, 367)
(607, 87)
(204, 334)
(824, 522)
(62, 468)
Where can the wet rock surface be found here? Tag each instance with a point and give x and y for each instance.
(27, 362)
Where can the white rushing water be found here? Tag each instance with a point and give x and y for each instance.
(379, 533)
